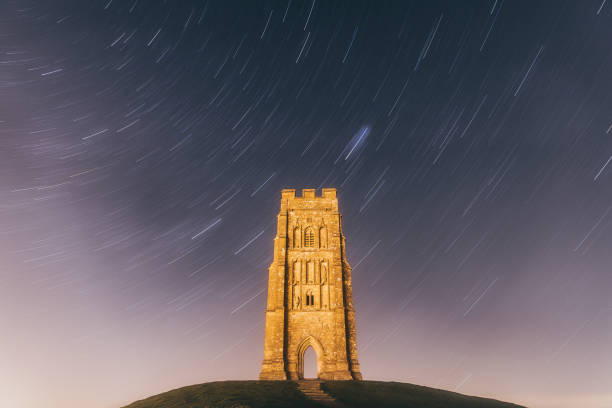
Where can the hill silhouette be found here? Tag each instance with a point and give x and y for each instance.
(280, 394)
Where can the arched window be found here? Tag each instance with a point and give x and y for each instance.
(323, 237)
(309, 241)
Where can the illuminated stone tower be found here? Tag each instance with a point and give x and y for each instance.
(310, 298)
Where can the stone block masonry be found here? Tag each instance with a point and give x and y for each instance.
(310, 300)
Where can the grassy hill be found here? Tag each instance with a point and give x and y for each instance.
(277, 394)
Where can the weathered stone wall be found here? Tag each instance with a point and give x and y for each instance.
(309, 291)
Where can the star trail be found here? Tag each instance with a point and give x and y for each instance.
(144, 144)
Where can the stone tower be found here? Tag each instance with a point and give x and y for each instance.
(310, 299)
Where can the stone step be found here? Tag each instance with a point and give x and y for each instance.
(312, 389)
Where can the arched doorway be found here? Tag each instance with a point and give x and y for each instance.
(310, 349)
(310, 364)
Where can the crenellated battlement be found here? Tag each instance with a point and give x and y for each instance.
(308, 193)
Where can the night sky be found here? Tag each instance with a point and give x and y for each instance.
(143, 147)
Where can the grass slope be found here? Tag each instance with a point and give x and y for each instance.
(280, 394)
(366, 394)
(230, 394)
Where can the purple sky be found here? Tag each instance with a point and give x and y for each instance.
(143, 147)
